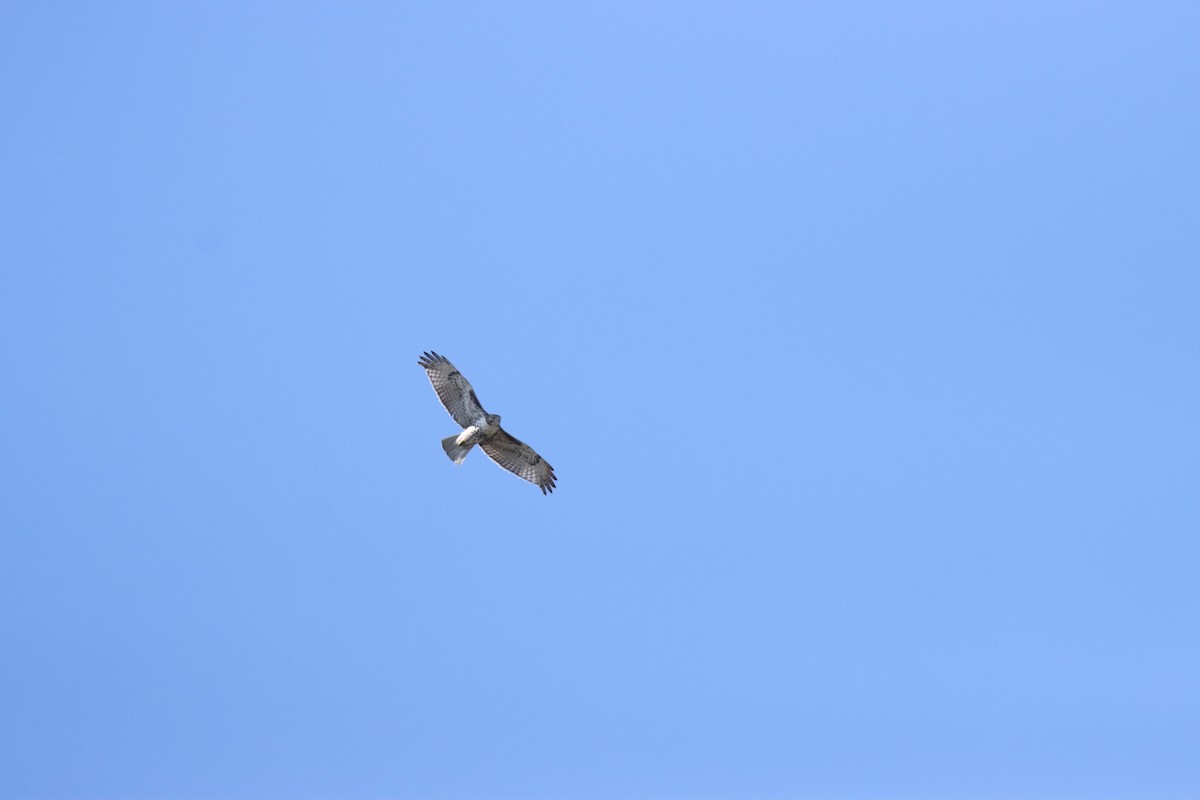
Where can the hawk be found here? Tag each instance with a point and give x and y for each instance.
(480, 427)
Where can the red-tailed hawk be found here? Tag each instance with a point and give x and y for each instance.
(482, 428)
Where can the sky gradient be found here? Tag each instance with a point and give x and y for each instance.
(864, 340)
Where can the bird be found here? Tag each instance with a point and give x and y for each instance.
(481, 428)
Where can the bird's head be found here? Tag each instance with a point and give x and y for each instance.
(493, 419)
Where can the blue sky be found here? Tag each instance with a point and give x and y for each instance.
(863, 338)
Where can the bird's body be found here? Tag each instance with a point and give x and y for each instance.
(481, 428)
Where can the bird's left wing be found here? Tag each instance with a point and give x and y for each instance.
(519, 459)
(452, 389)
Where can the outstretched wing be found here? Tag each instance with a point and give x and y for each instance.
(519, 459)
(452, 389)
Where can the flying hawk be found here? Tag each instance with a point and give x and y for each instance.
(482, 428)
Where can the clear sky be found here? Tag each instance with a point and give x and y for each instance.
(864, 338)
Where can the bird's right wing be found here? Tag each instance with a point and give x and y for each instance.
(452, 389)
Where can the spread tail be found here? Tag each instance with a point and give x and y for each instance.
(456, 451)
